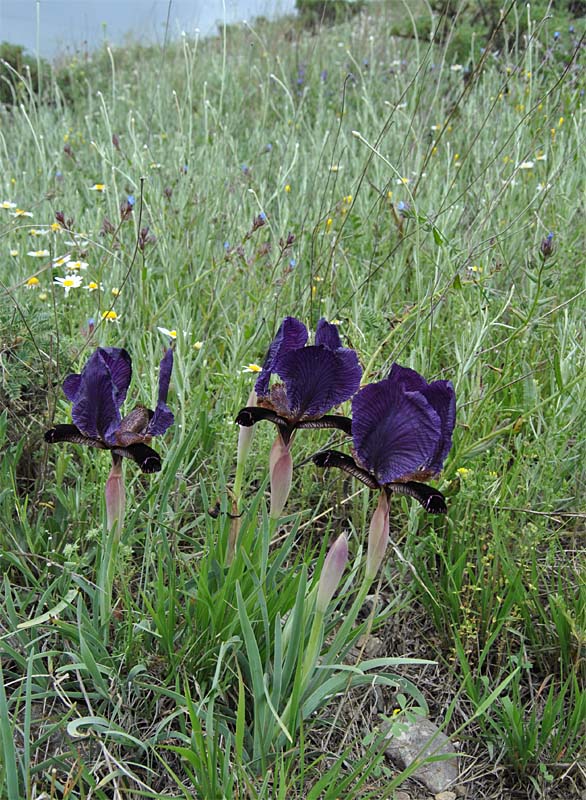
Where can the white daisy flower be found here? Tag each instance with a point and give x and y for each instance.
(69, 282)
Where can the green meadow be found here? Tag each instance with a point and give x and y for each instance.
(403, 187)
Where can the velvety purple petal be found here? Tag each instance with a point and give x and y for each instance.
(411, 380)
(119, 363)
(95, 410)
(327, 335)
(395, 432)
(441, 396)
(317, 379)
(71, 386)
(292, 335)
(163, 418)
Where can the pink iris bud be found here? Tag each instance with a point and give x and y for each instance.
(378, 536)
(115, 494)
(281, 474)
(245, 435)
(331, 574)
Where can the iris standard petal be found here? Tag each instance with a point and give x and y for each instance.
(317, 379)
(327, 335)
(163, 417)
(119, 363)
(441, 397)
(292, 335)
(410, 378)
(395, 432)
(95, 409)
(71, 386)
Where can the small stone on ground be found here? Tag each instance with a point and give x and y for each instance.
(417, 740)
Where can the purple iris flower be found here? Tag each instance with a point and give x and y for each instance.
(402, 433)
(97, 394)
(315, 378)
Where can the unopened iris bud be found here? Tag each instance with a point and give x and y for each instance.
(331, 574)
(115, 494)
(281, 473)
(246, 434)
(378, 537)
(546, 247)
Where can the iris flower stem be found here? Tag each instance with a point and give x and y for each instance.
(315, 641)
(238, 481)
(350, 618)
(309, 661)
(235, 522)
(273, 527)
(107, 573)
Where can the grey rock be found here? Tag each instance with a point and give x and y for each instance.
(445, 796)
(418, 739)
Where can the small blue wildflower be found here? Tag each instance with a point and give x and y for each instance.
(268, 147)
(292, 263)
(571, 29)
(59, 175)
(556, 35)
(226, 245)
(323, 75)
(131, 200)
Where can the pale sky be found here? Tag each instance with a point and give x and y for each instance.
(72, 23)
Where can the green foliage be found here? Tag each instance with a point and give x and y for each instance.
(466, 28)
(313, 13)
(21, 75)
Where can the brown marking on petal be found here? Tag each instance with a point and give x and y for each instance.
(126, 438)
(137, 420)
(278, 402)
(421, 474)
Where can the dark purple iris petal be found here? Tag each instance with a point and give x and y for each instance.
(411, 380)
(292, 335)
(119, 363)
(317, 379)
(395, 431)
(327, 334)
(163, 417)
(71, 386)
(441, 397)
(95, 408)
